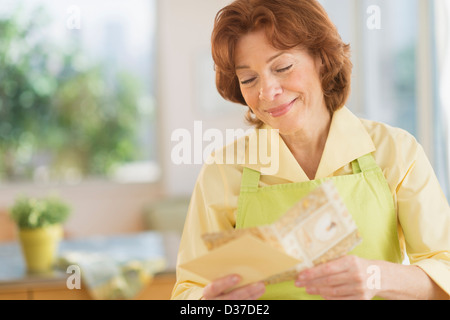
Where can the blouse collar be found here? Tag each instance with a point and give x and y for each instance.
(348, 140)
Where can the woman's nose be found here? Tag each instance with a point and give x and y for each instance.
(269, 90)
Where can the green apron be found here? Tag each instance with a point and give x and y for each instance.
(367, 197)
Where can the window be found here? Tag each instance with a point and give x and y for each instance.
(383, 37)
(398, 78)
(77, 90)
(441, 13)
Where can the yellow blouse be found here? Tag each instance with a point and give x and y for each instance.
(422, 209)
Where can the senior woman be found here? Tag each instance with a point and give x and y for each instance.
(285, 60)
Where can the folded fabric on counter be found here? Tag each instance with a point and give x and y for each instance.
(115, 267)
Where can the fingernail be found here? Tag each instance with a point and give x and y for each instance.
(235, 279)
(311, 290)
(259, 286)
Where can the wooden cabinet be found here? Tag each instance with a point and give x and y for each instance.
(160, 288)
(14, 294)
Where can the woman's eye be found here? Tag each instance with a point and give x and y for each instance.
(244, 82)
(284, 69)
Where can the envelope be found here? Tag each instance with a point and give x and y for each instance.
(317, 229)
(247, 256)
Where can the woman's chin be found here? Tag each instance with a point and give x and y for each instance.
(287, 126)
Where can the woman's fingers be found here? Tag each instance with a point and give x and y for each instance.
(330, 273)
(342, 278)
(219, 286)
(347, 291)
(219, 290)
(329, 280)
(250, 292)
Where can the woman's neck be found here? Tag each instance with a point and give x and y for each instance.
(307, 145)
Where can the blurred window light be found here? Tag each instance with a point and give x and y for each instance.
(442, 93)
(383, 38)
(393, 47)
(77, 90)
(389, 65)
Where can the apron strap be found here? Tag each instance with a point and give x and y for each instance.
(250, 180)
(364, 163)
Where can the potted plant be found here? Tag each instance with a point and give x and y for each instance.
(39, 223)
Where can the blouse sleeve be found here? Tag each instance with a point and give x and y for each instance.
(208, 212)
(424, 216)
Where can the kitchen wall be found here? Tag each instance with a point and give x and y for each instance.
(184, 50)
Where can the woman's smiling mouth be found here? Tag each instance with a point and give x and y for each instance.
(281, 110)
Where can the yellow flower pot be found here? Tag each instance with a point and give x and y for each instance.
(39, 247)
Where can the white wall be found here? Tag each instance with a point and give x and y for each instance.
(184, 37)
(98, 208)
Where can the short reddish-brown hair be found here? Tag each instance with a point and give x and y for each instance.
(288, 24)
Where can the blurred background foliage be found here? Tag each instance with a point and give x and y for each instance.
(59, 115)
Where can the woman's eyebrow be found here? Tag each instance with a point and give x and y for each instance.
(268, 60)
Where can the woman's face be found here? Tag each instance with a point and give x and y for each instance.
(282, 88)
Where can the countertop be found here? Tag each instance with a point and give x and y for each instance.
(149, 245)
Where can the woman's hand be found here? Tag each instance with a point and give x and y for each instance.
(351, 277)
(343, 278)
(219, 290)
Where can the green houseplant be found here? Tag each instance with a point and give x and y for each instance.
(57, 113)
(39, 223)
